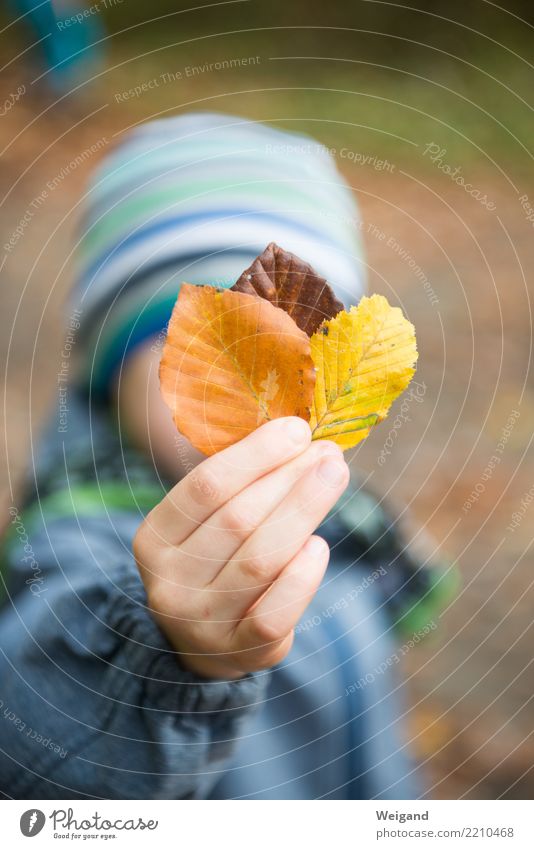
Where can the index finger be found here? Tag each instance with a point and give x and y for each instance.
(220, 477)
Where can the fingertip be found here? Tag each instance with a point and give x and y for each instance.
(289, 435)
(296, 430)
(317, 548)
(333, 472)
(328, 447)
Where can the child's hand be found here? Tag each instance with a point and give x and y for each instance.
(229, 559)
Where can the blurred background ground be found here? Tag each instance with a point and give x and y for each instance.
(378, 80)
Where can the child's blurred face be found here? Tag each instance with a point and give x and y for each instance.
(146, 420)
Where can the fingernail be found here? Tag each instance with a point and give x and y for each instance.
(315, 547)
(327, 448)
(332, 472)
(297, 430)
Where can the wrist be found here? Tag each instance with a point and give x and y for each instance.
(208, 667)
(206, 664)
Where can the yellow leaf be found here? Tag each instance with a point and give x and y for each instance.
(231, 362)
(364, 359)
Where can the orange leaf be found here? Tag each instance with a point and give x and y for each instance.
(290, 283)
(231, 362)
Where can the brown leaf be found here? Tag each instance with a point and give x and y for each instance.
(287, 282)
(231, 362)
